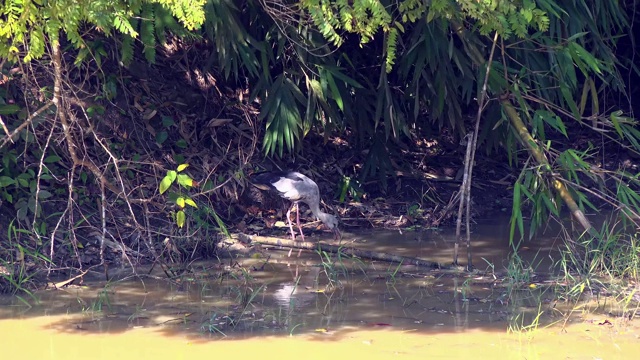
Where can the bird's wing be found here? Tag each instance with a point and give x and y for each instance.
(290, 184)
(289, 188)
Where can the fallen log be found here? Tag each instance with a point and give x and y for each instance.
(362, 254)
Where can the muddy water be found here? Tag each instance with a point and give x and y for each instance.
(289, 308)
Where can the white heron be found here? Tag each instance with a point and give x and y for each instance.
(296, 187)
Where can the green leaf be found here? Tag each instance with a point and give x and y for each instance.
(334, 91)
(21, 212)
(9, 109)
(180, 218)
(568, 98)
(185, 180)
(52, 159)
(167, 121)
(516, 214)
(190, 202)
(161, 137)
(576, 36)
(181, 167)
(6, 181)
(615, 120)
(339, 74)
(23, 182)
(220, 223)
(554, 121)
(167, 181)
(585, 56)
(182, 143)
(550, 205)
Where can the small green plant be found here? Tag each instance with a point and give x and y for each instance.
(333, 269)
(293, 329)
(491, 268)
(212, 325)
(414, 210)
(19, 187)
(587, 262)
(518, 272)
(393, 273)
(101, 300)
(15, 276)
(518, 323)
(167, 124)
(185, 182)
(465, 289)
(349, 187)
(139, 313)
(245, 289)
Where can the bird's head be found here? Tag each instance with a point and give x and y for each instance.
(332, 223)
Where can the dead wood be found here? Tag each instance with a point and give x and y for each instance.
(362, 254)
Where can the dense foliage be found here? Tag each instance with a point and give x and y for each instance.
(29, 25)
(380, 71)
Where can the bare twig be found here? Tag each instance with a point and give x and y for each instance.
(26, 123)
(465, 188)
(41, 165)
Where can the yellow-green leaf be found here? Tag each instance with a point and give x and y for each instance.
(190, 202)
(185, 180)
(165, 183)
(180, 218)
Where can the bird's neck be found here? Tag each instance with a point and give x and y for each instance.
(315, 209)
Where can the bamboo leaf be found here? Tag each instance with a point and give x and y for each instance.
(568, 98)
(337, 97)
(585, 56)
(516, 213)
(339, 74)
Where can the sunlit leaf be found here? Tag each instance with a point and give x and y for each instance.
(167, 181)
(190, 202)
(180, 218)
(185, 180)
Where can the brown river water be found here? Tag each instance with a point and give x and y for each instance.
(290, 308)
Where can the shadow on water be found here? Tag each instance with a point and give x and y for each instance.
(318, 297)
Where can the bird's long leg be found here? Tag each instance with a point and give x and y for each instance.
(299, 227)
(293, 235)
(298, 221)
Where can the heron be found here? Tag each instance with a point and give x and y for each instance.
(296, 187)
